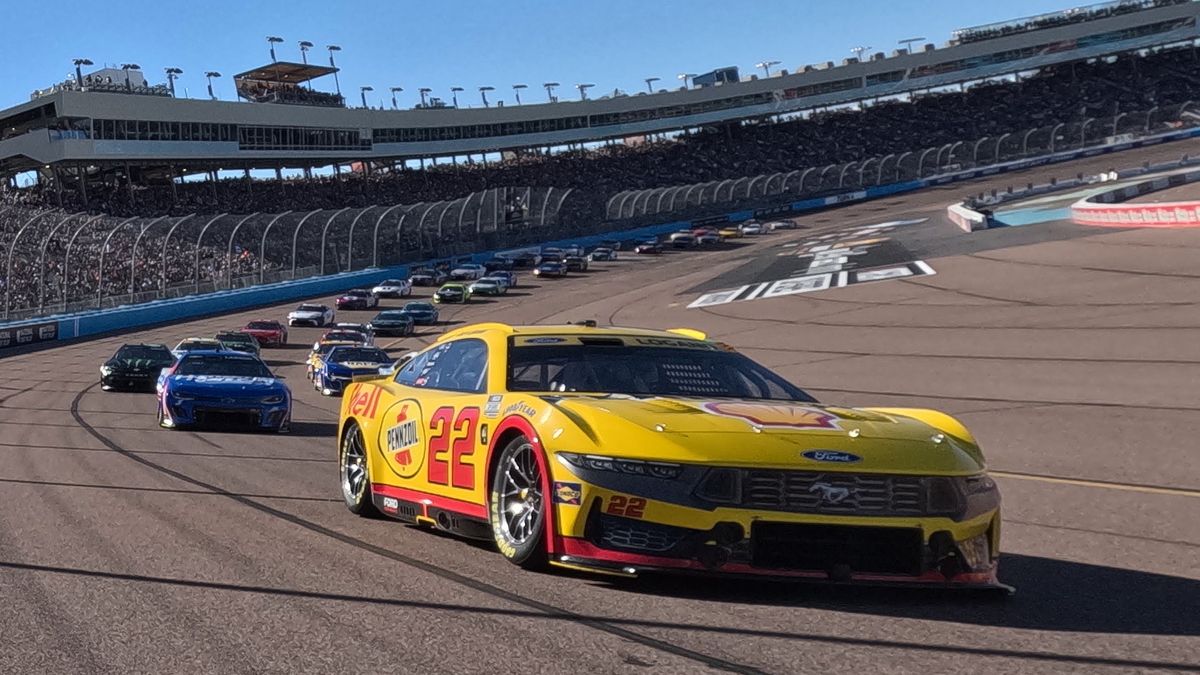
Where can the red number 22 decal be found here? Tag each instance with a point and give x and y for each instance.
(453, 436)
(630, 507)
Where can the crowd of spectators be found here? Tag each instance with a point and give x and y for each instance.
(1100, 89)
(1063, 18)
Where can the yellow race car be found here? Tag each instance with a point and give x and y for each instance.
(619, 450)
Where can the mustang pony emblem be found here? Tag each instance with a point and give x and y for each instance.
(830, 494)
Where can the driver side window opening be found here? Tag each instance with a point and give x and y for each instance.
(459, 365)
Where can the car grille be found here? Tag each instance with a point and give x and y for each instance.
(227, 418)
(882, 550)
(834, 493)
(626, 534)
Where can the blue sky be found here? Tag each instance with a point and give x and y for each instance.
(614, 43)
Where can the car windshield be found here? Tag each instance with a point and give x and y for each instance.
(310, 308)
(222, 365)
(641, 367)
(344, 335)
(198, 344)
(358, 293)
(235, 337)
(262, 325)
(350, 354)
(417, 307)
(140, 356)
(392, 315)
(392, 282)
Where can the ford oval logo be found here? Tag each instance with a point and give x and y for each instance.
(832, 456)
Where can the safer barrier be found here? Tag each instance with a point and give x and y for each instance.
(178, 309)
(1108, 210)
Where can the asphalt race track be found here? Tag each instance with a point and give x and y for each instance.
(1073, 353)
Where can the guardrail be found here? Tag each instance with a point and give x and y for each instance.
(164, 311)
(1108, 210)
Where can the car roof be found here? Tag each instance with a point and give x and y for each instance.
(224, 354)
(505, 329)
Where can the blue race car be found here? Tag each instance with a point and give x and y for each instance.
(342, 363)
(223, 389)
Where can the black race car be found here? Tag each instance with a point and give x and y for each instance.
(498, 265)
(427, 276)
(648, 248)
(238, 341)
(135, 367)
(422, 313)
(392, 322)
(550, 269)
(576, 263)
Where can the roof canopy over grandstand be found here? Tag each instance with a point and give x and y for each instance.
(280, 82)
(284, 72)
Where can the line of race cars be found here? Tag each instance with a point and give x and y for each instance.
(607, 450)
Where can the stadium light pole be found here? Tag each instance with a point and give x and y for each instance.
(453, 95)
(583, 90)
(363, 91)
(858, 52)
(908, 42)
(210, 75)
(483, 94)
(305, 45)
(271, 42)
(424, 91)
(172, 73)
(336, 84)
(550, 90)
(686, 78)
(517, 91)
(79, 70)
(394, 90)
(128, 67)
(766, 66)
(650, 84)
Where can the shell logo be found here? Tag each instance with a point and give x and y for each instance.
(775, 414)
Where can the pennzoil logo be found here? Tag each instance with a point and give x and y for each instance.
(775, 414)
(400, 438)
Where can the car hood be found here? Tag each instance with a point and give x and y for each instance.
(751, 433)
(223, 384)
(358, 365)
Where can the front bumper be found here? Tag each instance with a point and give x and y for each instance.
(269, 340)
(305, 321)
(128, 381)
(605, 531)
(392, 331)
(226, 413)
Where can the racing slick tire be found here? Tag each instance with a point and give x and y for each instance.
(354, 474)
(517, 508)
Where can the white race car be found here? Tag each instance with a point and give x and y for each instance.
(311, 315)
(781, 225)
(393, 288)
(468, 272)
(751, 227)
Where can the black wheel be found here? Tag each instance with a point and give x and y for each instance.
(518, 505)
(355, 476)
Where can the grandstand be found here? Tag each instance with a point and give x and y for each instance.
(109, 162)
